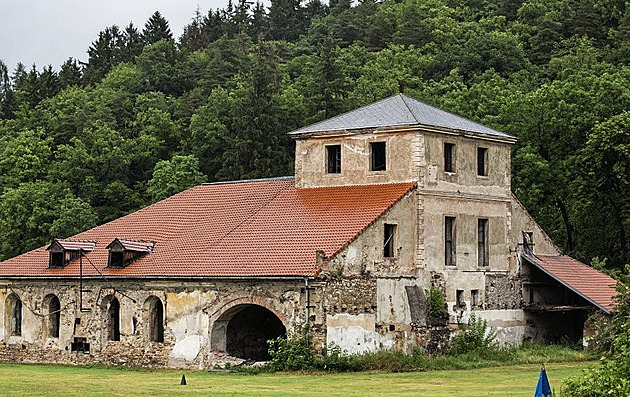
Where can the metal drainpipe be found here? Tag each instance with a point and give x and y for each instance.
(307, 291)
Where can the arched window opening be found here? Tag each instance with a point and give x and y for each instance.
(155, 319)
(53, 315)
(113, 320)
(13, 322)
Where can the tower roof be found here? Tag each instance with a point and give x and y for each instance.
(399, 110)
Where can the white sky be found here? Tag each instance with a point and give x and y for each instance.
(47, 32)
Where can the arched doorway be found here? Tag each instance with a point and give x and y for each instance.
(243, 331)
(111, 315)
(154, 319)
(53, 315)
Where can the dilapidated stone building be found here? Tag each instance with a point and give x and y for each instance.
(389, 204)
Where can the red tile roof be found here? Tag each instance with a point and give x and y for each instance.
(72, 245)
(591, 284)
(238, 229)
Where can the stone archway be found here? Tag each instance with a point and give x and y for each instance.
(244, 329)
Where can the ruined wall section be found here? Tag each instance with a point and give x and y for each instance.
(310, 158)
(189, 309)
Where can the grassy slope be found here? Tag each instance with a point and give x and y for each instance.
(517, 380)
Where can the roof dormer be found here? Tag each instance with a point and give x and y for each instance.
(63, 252)
(122, 252)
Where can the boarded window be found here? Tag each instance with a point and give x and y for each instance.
(449, 241)
(389, 248)
(449, 157)
(333, 159)
(378, 156)
(482, 242)
(482, 161)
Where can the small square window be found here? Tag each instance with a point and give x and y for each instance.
(459, 299)
(482, 161)
(333, 159)
(474, 298)
(390, 237)
(449, 157)
(378, 156)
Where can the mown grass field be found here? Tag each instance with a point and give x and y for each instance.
(515, 380)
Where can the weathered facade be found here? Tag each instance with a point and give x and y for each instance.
(388, 203)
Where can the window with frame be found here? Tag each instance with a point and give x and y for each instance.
(459, 299)
(474, 298)
(482, 242)
(333, 159)
(390, 237)
(378, 156)
(449, 157)
(528, 242)
(449, 241)
(482, 161)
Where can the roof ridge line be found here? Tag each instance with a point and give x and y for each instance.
(275, 178)
(402, 97)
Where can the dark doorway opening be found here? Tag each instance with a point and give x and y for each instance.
(249, 330)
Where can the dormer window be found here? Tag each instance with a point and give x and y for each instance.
(122, 252)
(62, 252)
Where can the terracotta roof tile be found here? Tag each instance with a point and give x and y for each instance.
(240, 229)
(591, 284)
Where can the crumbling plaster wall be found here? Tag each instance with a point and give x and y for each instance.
(189, 310)
(310, 158)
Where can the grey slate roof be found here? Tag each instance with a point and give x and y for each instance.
(398, 110)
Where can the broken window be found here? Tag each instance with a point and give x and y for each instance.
(482, 242)
(459, 299)
(391, 231)
(482, 161)
(113, 320)
(53, 316)
(378, 156)
(155, 319)
(528, 242)
(449, 157)
(449, 241)
(474, 298)
(333, 159)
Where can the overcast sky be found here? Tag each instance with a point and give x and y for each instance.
(47, 32)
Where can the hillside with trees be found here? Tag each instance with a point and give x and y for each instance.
(150, 114)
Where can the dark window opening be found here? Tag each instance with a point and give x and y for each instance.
(113, 320)
(156, 320)
(449, 157)
(482, 161)
(116, 258)
(56, 259)
(459, 299)
(528, 242)
(378, 156)
(482, 242)
(80, 345)
(389, 250)
(16, 316)
(474, 298)
(333, 159)
(449, 241)
(248, 331)
(54, 317)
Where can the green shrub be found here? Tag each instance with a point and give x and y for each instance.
(436, 306)
(293, 352)
(475, 338)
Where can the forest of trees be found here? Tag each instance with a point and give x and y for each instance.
(150, 114)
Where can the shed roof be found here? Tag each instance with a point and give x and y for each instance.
(591, 284)
(396, 111)
(238, 229)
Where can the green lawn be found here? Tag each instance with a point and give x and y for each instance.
(39, 380)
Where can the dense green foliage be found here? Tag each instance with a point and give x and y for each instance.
(612, 377)
(475, 338)
(85, 144)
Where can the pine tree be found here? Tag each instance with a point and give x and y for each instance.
(7, 98)
(285, 20)
(156, 29)
(193, 37)
(104, 53)
(70, 73)
(588, 21)
(259, 27)
(133, 43)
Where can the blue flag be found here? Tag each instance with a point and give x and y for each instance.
(543, 389)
